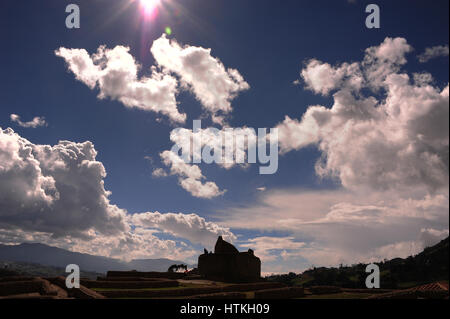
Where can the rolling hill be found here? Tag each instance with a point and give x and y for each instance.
(56, 257)
(431, 265)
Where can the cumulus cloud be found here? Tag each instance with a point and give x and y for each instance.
(212, 84)
(115, 73)
(56, 189)
(35, 122)
(433, 52)
(383, 60)
(56, 195)
(322, 78)
(226, 147)
(137, 243)
(385, 140)
(423, 78)
(141, 240)
(395, 141)
(190, 176)
(159, 172)
(189, 226)
(379, 62)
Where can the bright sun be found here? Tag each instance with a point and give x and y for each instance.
(149, 5)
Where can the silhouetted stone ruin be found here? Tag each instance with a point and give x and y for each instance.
(223, 247)
(229, 265)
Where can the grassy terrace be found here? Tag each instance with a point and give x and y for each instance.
(191, 289)
(146, 289)
(204, 288)
(183, 285)
(251, 294)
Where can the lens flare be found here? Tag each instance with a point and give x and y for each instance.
(150, 7)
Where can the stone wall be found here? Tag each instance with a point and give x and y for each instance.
(234, 267)
(149, 274)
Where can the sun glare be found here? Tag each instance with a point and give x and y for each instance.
(149, 6)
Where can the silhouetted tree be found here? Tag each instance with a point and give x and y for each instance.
(176, 268)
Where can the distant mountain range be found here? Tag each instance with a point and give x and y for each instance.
(20, 268)
(57, 257)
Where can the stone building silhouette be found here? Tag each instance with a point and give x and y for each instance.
(228, 264)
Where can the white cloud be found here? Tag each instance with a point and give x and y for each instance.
(389, 143)
(389, 151)
(426, 238)
(266, 247)
(213, 84)
(384, 60)
(159, 172)
(217, 141)
(391, 50)
(56, 189)
(55, 195)
(433, 52)
(115, 73)
(322, 77)
(139, 243)
(339, 226)
(379, 62)
(422, 79)
(212, 139)
(429, 236)
(35, 122)
(279, 210)
(190, 176)
(189, 226)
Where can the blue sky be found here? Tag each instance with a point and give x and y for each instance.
(268, 42)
